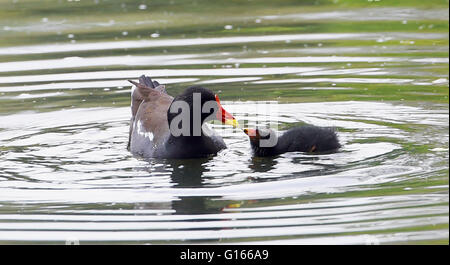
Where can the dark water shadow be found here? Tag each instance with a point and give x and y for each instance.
(187, 173)
(262, 164)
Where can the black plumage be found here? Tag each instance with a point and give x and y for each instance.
(265, 142)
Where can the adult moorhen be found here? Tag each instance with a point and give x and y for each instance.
(166, 127)
(265, 142)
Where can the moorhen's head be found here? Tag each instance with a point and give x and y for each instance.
(195, 106)
(262, 141)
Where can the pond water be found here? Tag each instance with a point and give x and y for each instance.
(376, 71)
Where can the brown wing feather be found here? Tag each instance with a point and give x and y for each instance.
(152, 114)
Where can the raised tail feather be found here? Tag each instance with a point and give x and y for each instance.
(146, 82)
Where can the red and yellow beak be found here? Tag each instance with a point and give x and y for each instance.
(252, 133)
(224, 116)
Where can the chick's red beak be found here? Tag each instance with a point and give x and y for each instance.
(224, 116)
(252, 133)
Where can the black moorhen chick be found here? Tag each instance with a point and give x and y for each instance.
(265, 142)
(156, 119)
